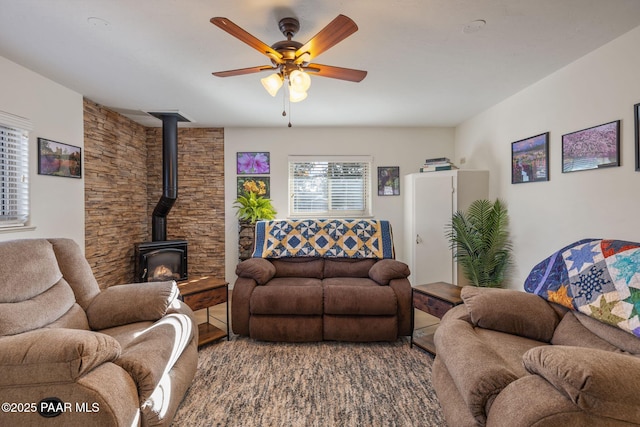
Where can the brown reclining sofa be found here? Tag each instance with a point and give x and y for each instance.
(293, 291)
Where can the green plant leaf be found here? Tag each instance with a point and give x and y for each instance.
(252, 208)
(480, 240)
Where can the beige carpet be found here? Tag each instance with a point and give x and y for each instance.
(248, 383)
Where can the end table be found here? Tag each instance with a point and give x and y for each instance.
(435, 299)
(202, 293)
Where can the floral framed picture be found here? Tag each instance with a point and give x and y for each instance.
(592, 148)
(253, 162)
(530, 159)
(256, 184)
(388, 180)
(58, 159)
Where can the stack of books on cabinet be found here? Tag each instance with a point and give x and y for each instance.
(437, 164)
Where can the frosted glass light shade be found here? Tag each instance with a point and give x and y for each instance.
(300, 81)
(296, 96)
(272, 83)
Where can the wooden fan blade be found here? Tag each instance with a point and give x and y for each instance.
(336, 72)
(242, 35)
(241, 71)
(336, 31)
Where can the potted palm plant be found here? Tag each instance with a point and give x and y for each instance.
(251, 206)
(479, 238)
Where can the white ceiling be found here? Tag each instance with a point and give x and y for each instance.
(150, 55)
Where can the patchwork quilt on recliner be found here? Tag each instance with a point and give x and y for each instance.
(327, 238)
(600, 278)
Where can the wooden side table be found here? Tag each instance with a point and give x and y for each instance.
(435, 299)
(202, 293)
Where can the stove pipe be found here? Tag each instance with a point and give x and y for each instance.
(169, 173)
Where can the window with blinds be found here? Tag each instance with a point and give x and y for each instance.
(14, 170)
(329, 186)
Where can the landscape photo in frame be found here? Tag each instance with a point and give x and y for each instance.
(530, 159)
(593, 148)
(636, 120)
(58, 159)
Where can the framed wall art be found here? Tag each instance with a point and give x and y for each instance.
(592, 148)
(257, 184)
(253, 162)
(530, 159)
(58, 159)
(388, 180)
(636, 121)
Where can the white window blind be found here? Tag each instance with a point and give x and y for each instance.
(330, 186)
(14, 170)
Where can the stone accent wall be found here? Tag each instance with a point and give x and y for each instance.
(123, 183)
(115, 185)
(198, 214)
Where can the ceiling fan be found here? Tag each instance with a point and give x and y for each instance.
(291, 60)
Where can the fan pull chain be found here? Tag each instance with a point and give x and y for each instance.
(284, 97)
(285, 92)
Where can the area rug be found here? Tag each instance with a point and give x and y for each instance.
(249, 383)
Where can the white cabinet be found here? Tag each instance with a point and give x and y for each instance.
(430, 199)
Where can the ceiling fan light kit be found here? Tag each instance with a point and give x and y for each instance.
(299, 81)
(291, 59)
(295, 96)
(272, 83)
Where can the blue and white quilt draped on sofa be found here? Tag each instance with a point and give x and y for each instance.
(327, 238)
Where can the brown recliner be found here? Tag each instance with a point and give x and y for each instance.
(84, 356)
(510, 358)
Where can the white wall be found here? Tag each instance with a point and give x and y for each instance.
(600, 87)
(57, 204)
(404, 147)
